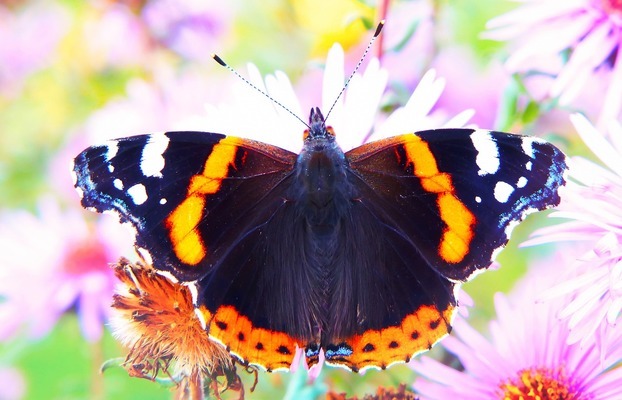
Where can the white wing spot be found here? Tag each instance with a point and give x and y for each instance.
(118, 183)
(152, 160)
(162, 201)
(487, 152)
(522, 181)
(74, 176)
(527, 145)
(503, 190)
(138, 193)
(113, 149)
(529, 165)
(478, 199)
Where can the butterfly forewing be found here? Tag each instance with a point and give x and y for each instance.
(456, 193)
(180, 191)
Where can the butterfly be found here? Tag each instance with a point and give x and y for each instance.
(358, 254)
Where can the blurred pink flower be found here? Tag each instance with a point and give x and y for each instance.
(592, 201)
(172, 101)
(112, 24)
(408, 42)
(13, 384)
(54, 262)
(588, 32)
(471, 86)
(28, 39)
(190, 27)
(527, 356)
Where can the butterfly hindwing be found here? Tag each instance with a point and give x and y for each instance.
(377, 302)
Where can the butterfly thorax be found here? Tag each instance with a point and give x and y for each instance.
(321, 170)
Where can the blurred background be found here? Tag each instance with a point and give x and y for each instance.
(74, 73)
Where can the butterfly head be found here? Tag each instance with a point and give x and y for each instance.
(317, 127)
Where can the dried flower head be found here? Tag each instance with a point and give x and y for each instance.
(155, 317)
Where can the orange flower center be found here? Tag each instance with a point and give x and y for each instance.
(540, 384)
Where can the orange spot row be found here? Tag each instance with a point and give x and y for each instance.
(269, 349)
(459, 221)
(417, 333)
(182, 223)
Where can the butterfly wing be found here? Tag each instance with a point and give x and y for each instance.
(188, 195)
(438, 205)
(457, 193)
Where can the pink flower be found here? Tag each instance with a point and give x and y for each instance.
(113, 23)
(586, 32)
(592, 202)
(54, 262)
(172, 101)
(13, 384)
(471, 86)
(189, 27)
(527, 356)
(28, 39)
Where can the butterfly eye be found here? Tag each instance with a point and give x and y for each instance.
(305, 134)
(330, 131)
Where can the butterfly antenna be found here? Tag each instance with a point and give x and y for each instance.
(224, 64)
(343, 89)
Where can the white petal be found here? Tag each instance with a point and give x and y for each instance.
(411, 117)
(597, 143)
(588, 54)
(526, 16)
(332, 84)
(612, 104)
(361, 105)
(551, 39)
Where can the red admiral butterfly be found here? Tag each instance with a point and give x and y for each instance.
(358, 254)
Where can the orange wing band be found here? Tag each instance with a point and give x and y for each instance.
(182, 223)
(459, 221)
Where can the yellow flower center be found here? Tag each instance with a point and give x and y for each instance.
(540, 384)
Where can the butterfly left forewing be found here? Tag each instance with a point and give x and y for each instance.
(176, 190)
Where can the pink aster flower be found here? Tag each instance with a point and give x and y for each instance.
(587, 32)
(592, 206)
(54, 262)
(526, 357)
